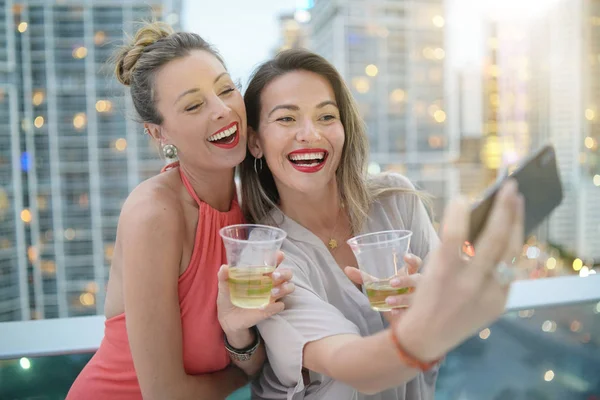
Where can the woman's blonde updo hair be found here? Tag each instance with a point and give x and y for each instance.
(137, 62)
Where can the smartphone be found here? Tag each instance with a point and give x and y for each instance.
(539, 183)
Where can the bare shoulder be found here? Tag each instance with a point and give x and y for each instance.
(154, 204)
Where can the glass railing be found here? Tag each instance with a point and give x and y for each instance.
(546, 347)
(50, 377)
(47, 378)
(532, 354)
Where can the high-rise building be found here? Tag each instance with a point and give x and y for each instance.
(467, 109)
(504, 97)
(391, 54)
(566, 89)
(293, 30)
(71, 151)
(541, 85)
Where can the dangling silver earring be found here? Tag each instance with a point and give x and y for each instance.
(146, 131)
(169, 151)
(257, 169)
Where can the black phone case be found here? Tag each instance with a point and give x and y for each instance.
(539, 182)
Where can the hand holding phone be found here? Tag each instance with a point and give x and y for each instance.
(539, 183)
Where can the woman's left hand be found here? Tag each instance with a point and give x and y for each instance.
(234, 319)
(410, 281)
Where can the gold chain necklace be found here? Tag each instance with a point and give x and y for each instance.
(332, 243)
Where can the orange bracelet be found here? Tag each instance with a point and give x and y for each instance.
(409, 359)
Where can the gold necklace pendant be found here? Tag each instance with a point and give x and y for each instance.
(332, 244)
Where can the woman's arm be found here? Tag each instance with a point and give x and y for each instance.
(368, 364)
(151, 233)
(236, 322)
(438, 319)
(241, 340)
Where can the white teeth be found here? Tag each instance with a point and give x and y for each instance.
(311, 164)
(307, 156)
(225, 133)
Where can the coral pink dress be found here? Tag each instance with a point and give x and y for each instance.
(110, 374)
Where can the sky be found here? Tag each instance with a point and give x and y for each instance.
(245, 32)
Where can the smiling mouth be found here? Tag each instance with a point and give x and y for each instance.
(227, 137)
(308, 159)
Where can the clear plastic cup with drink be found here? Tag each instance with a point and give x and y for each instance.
(252, 257)
(380, 257)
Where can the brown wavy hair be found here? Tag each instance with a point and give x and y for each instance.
(259, 193)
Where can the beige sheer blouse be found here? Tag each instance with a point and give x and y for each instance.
(326, 303)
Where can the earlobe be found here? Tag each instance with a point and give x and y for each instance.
(254, 143)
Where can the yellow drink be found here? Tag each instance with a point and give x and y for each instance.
(250, 287)
(377, 292)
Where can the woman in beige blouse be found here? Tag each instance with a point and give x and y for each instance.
(305, 172)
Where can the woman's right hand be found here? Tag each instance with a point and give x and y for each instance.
(455, 297)
(234, 319)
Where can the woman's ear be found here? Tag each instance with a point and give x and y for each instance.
(154, 131)
(254, 143)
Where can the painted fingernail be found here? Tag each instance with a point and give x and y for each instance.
(391, 300)
(276, 275)
(395, 281)
(275, 291)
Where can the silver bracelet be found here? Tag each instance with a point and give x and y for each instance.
(246, 353)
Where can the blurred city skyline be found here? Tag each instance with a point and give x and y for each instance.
(464, 21)
(453, 93)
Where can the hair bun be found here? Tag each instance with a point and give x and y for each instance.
(129, 54)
